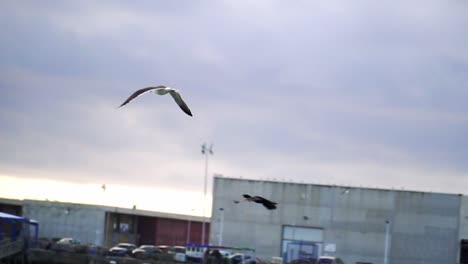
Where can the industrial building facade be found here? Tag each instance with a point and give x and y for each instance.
(359, 225)
(107, 226)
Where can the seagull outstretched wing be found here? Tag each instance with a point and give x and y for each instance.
(140, 92)
(180, 102)
(267, 203)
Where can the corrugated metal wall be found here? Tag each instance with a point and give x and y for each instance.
(424, 227)
(171, 232)
(146, 230)
(56, 220)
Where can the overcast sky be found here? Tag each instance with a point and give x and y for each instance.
(359, 93)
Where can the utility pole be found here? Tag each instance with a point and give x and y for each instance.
(205, 151)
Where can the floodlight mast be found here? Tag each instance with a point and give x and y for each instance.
(205, 151)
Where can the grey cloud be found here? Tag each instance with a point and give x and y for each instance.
(318, 85)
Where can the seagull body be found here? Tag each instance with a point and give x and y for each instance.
(258, 199)
(161, 90)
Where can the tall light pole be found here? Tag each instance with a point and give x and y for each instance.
(205, 151)
(220, 241)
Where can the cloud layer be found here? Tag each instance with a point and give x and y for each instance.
(361, 93)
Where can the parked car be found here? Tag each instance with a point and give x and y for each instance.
(304, 261)
(166, 253)
(329, 260)
(164, 248)
(122, 249)
(240, 258)
(68, 241)
(179, 253)
(146, 251)
(66, 244)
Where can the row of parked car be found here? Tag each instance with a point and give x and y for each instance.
(162, 252)
(320, 260)
(176, 253)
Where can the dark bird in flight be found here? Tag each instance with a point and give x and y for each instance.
(161, 90)
(258, 199)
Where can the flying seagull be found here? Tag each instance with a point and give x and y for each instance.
(258, 199)
(161, 90)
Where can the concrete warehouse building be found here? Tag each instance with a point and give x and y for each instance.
(359, 225)
(107, 226)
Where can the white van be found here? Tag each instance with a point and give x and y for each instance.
(194, 253)
(179, 253)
